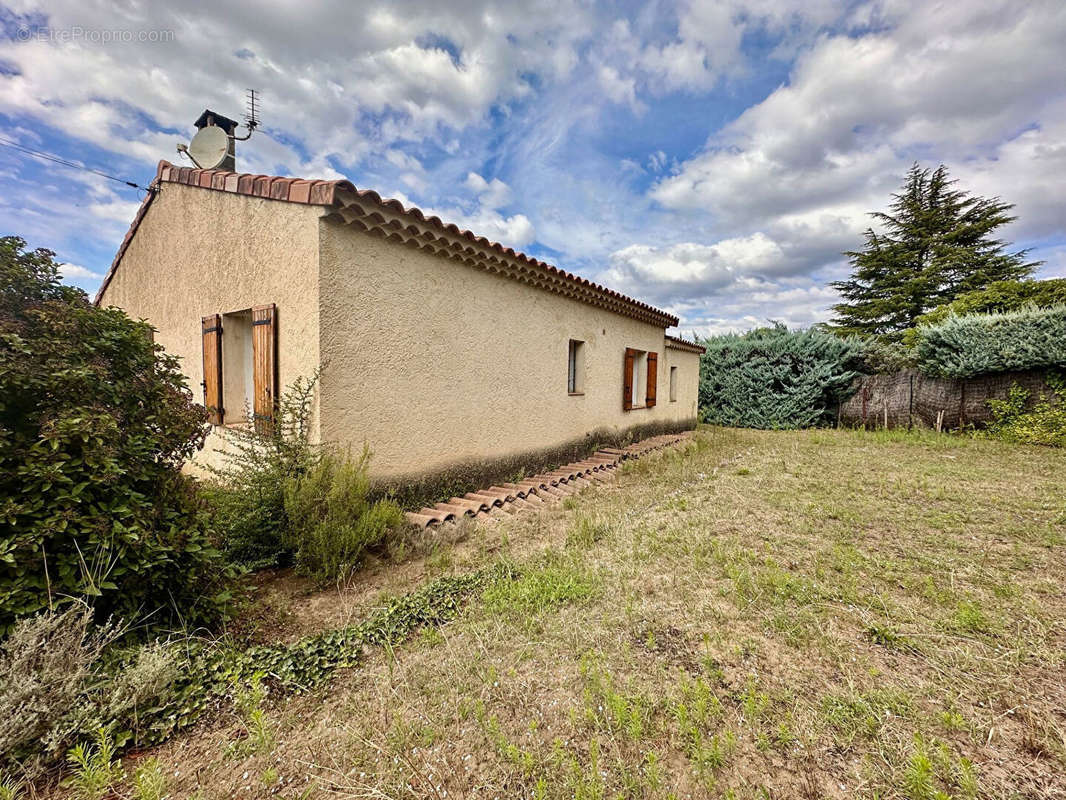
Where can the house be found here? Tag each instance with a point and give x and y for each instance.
(439, 349)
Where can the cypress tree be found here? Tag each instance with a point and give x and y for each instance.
(937, 243)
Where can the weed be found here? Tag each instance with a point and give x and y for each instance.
(586, 531)
(149, 782)
(10, 788)
(884, 636)
(861, 715)
(970, 618)
(606, 707)
(94, 768)
(556, 582)
(248, 700)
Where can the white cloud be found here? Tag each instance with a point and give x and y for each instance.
(504, 118)
(73, 271)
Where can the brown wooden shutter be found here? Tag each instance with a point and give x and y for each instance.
(627, 380)
(264, 366)
(211, 329)
(653, 379)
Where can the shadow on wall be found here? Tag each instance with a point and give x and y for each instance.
(909, 399)
(416, 491)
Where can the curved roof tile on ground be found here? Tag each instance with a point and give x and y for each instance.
(332, 193)
(548, 487)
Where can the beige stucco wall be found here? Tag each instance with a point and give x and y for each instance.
(200, 252)
(432, 362)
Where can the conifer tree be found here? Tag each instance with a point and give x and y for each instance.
(937, 243)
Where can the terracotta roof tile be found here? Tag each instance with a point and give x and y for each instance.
(534, 492)
(678, 343)
(409, 225)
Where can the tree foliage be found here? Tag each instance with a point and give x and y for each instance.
(776, 378)
(95, 422)
(980, 344)
(1001, 296)
(937, 243)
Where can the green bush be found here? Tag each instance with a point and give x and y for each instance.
(331, 522)
(979, 344)
(248, 496)
(776, 378)
(1044, 423)
(281, 498)
(95, 423)
(999, 297)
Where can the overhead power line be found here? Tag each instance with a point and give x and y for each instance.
(4, 142)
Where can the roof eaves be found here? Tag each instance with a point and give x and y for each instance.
(363, 209)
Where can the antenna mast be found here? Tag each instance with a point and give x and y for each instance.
(251, 117)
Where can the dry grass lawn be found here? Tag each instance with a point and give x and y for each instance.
(755, 614)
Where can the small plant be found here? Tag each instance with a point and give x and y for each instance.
(47, 665)
(1043, 424)
(149, 782)
(248, 498)
(587, 531)
(95, 770)
(249, 704)
(10, 789)
(331, 522)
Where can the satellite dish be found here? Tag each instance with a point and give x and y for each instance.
(209, 147)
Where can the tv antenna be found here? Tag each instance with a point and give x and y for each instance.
(212, 146)
(251, 116)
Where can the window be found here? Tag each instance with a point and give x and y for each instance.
(240, 366)
(237, 366)
(673, 384)
(640, 378)
(575, 375)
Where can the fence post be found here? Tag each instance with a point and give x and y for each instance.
(910, 405)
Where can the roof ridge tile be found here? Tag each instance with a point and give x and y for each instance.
(324, 193)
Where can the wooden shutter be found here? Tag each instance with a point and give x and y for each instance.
(211, 329)
(653, 379)
(264, 366)
(627, 380)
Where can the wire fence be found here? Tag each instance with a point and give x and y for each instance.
(909, 399)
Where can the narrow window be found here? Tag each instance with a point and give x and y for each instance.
(237, 366)
(575, 376)
(673, 384)
(640, 378)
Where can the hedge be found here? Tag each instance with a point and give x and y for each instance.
(776, 378)
(979, 344)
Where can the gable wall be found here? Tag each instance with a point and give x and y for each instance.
(200, 252)
(432, 362)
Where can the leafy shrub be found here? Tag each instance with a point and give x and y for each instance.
(95, 422)
(280, 497)
(45, 664)
(776, 378)
(999, 297)
(963, 347)
(61, 679)
(331, 521)
(1045, 423)
(248, 499)
(883, 357)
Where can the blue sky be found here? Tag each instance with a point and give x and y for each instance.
(712, 158)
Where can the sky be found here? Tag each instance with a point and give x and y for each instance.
(712, 158)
